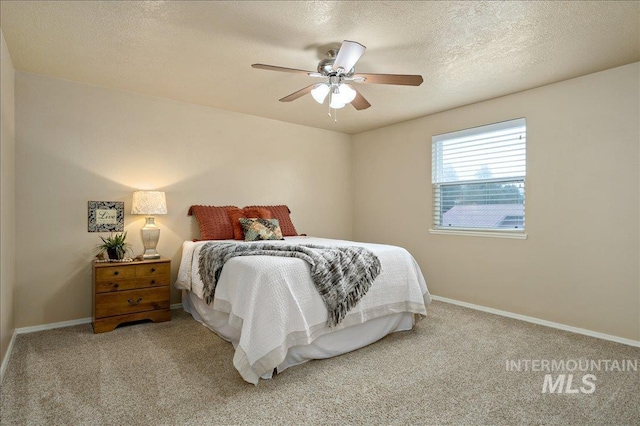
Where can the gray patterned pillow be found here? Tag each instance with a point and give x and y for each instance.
(261, 229)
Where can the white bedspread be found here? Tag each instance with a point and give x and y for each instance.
(274, 304)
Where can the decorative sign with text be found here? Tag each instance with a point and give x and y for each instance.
(106, 216)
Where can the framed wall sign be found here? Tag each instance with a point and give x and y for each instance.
(106, 216)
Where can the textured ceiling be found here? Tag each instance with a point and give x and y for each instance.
(201, 52)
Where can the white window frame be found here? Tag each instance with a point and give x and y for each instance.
(436, 186)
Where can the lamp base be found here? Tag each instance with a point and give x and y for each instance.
(150, 237)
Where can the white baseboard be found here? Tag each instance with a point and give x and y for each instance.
(7, 356)
(538, 321)
(51, 326)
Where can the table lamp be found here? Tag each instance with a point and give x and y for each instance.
(149, 203)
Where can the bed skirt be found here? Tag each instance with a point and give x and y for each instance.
(325, 346)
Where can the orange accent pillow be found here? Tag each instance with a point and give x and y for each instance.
(213, 222)
(282, 213)
(248, 213)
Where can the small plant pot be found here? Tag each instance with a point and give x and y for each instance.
(113, 254)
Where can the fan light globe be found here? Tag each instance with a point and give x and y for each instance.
(347, 94)
(336, 101)
(320, 92)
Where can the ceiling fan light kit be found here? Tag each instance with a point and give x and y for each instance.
(336, 69)
(341, 94)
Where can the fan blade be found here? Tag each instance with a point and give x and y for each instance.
(348, 55)
(283, 69)
(401, 79)
(359, 102)
(298, 94)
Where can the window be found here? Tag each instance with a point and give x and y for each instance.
(478, 178)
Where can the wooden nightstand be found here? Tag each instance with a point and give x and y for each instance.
(125, 292)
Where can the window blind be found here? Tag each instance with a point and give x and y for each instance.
(478, 177)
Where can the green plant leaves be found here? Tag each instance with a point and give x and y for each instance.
(115, 242)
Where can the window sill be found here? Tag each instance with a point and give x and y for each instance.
(490, 234)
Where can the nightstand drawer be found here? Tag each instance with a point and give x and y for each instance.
(131, 283)
(111, 272)
(126, 302)
(153, 269)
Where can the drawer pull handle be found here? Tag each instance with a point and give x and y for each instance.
(153, 281)
(116, 285)
(134, 303)
(116, 273)
(153, 269)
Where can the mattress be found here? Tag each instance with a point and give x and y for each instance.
(269, 308)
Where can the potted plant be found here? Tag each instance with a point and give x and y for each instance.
(115, 246)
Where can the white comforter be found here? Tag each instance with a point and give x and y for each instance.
(275, 306)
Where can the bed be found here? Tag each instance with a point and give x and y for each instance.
(269, 309)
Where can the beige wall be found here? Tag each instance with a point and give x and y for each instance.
(579, 266)
(8, 200)
(76, 143)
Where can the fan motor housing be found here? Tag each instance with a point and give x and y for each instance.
(325, 66)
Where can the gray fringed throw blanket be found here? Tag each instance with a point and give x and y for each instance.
(342, 275)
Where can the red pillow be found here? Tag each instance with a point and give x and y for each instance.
(282, 214)
(213, 222)
(249, 213)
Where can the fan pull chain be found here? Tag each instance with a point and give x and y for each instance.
(335, 114)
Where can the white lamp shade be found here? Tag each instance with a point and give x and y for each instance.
(149, 203)
(319, 92)
(347, 94)
(336, 101)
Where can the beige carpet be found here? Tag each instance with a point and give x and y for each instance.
(450, 370)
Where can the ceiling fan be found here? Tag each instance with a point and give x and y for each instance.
(337, 71)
